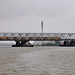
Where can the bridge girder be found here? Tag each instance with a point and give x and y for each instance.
(37, 36)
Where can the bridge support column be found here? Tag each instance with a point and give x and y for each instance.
(17, 43)
(69, 43)
(24, 43)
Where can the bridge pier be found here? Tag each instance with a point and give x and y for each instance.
(17, 43)
(24, 43)
(68, 43)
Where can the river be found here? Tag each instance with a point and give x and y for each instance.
(37, 60)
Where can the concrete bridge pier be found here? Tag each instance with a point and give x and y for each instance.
(24, 43)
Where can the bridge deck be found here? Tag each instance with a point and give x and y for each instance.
(37, 36)
(30, 38)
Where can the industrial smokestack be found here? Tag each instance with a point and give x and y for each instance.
(41, 26)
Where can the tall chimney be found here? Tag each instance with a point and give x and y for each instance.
(41, 26)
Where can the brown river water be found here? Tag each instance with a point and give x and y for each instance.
(37, 60)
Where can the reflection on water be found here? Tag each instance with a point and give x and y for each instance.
(39, 61)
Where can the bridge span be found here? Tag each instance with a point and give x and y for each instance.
(22, 38)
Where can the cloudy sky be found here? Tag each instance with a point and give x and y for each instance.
(26, 16)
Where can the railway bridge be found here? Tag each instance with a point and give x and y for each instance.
(22, 38)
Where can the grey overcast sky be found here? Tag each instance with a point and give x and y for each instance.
(26, 16)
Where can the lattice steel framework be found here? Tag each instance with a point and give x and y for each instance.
(63, 36)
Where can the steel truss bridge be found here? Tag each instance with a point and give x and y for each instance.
(37, 36)
(24, 37)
